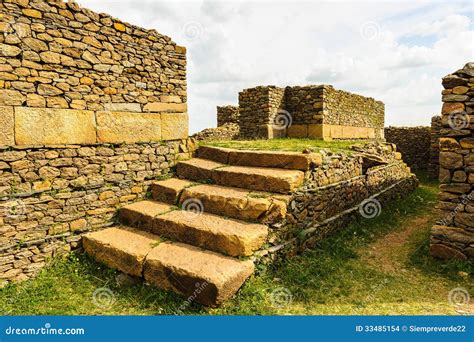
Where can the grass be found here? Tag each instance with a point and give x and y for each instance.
(286, 144)
(377, 266)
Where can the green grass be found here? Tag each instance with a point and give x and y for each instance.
(286, 144)
(346, 274)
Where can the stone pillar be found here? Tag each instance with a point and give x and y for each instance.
(453, 235)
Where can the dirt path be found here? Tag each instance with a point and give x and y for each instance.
(389, 252)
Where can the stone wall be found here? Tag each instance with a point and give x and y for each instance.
(51, 195)
(453, 235)
(72, 76)
(259, 112)
(433, 164)
(313, 111)
(228, 131)
(344, 185)
(413, 142)
(227, 114)
(324, 112)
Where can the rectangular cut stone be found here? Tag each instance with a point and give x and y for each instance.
(275, 159)
(297, 131)
(47, 126)
(122, 248)
(7, 124)
(166, 107)
(169, 190)
(174, 126)
(123, 107)
(119, 127)
(141, 214)
(209, 278)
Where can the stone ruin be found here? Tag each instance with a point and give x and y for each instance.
(453, 235)
(94, 113)
(313, 111)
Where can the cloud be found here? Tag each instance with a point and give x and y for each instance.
(244, 44)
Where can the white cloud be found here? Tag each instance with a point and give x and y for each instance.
(244, 44)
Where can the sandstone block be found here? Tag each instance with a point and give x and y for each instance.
(297, 131)
(119, 127)
(441, 251)
(9, 50)
(121, 248)
(43, 126)
(165, 107)
(209, 277)
(7, 131)
(450, 160)
(122, 107)
(169, 190)
(174, 126)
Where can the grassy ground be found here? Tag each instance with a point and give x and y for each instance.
(286, 144)
(376, 266)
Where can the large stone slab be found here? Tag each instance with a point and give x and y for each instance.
(174, 126)
(237, 203)
(197, 169)
(141, 214)
(206, 277)
(47, 126)
(275, 159)
(168, 190)
(259, 178)
(7, 124)
(128, 127)
(122, 248)
(213, 232)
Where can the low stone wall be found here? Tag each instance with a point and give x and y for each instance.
(359, 184)
(453, 235)
(72, 76)
(50, 195)
(227, 114)
(433, 164)
(228, 131)
(413, 142)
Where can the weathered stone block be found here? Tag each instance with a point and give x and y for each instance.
(297, 131)
(165, 107)
(7, 131)
(123, 107)
(118, 127)
(46, 126)
(174, 126)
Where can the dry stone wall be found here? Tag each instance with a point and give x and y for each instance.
(453, 235)
(313, 111)
(227, 114)
(413, 142)
(228, 131)
(258, 109)
(72, 76)
(50, 195)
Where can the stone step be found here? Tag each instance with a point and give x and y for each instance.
(195, 227)
(238, 203)
(168, 190)
(247, 177)
(271, 159)
(122, 248)
(203, 276)
(206, 277)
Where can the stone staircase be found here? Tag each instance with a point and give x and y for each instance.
(196, 234)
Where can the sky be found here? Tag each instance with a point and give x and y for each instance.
(396, 52)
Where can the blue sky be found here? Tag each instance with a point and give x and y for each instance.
(396, 52)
